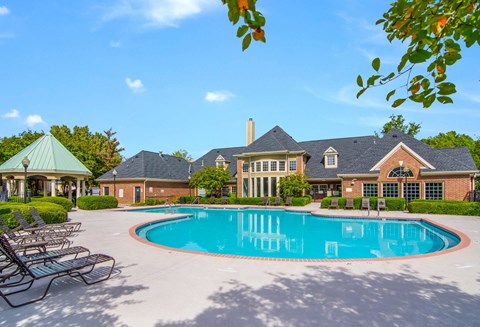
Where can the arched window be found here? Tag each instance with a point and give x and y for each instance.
(400, 172)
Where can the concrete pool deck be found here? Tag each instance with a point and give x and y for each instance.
(156, 287)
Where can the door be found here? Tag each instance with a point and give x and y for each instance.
(137, 194)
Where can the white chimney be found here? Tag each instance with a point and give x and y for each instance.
(250, 131)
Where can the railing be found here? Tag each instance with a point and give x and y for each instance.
(473, 196)
(5, 197)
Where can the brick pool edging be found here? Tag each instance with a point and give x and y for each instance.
(464, 242)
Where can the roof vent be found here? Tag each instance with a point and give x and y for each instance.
(160, 153)
(394, 135)
(354, 141)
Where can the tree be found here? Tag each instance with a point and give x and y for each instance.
(435, 32)
(294, 184)
(210, 178)
(110, 150)
(398, 122)
(453, 139)
(10, 146)
(182, 154)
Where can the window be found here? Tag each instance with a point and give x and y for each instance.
(245, 167)
(433, 191)
(281, 165)
(314, 189)
(390, 190)
(411, 191)
(258, 167)
(370, 189)
(265, 166)
(252, 167)
(331, 160)
(400, 172)
(234, 190)
(259, 193)
(273, 184)
(273, 166)
(106, 190)
(265, 186)
(245, 187)
(293, 165)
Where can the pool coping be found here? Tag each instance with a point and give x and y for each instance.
(464, 240)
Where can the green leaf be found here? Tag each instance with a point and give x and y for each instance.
(444, 100)
(378, 22)
(234, 15)
(451, 57)
(429, 100)
(417, 97)
(419, 55)
(398, 102)
(402, 63)
(389, 95)
(359, 81)
(361, 92)
(440, 78)
(376, 64)
(246, 41)
(242, 30)
(446, 88)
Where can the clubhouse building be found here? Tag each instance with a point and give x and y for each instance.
(395, 165)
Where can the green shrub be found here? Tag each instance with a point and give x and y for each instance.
(445, 207)
(51, 213)
(97, 202)
(393, 204)
(153, 202)
(301, 201)
(64, 202)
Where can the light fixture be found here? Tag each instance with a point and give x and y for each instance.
(25, 163)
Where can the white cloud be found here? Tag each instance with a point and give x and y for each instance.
(33, 120)
(134, 85)
(115, 44)
(159, 13)
(14, 113)
(4, 11)
(218, 96)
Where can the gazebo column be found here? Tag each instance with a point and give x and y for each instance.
(70, 190)
(83, 187)
(77, 193)
(45, 191)
(54, 187)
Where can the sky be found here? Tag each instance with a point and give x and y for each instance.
(170, 74)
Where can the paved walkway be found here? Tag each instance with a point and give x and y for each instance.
(156, 287)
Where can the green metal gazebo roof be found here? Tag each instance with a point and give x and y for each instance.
(46, 154)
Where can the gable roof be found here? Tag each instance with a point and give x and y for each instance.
(275, 140)
(208, 159)
(46, 154)
(154, 165)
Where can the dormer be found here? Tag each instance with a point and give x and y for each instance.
(221, 162)
(330, 158)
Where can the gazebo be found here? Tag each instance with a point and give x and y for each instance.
(49, 168)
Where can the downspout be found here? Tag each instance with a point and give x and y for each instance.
(145, 189)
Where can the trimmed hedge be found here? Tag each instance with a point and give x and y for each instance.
(50, 212)
(64, 202)
(257, 201)
(450, 207)
(393, 204)
(97, 202)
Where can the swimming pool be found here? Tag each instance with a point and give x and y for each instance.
(293, 235)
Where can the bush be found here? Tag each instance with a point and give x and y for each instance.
(50, 212)
(97, 202)
(301, 201)
(393, 204)
(445, 207)
(64, 202)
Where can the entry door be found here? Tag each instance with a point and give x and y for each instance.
(137, 194)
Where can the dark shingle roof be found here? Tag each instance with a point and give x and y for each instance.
(275, 139)
(148, 164)
(208, 159)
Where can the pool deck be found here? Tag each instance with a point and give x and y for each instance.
(152, 286)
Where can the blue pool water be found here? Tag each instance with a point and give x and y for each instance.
(283, 234)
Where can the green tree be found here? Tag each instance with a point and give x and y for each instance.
(211, 178)
(398, 122)
(110, 150)
(435, 32)
(294, 185)
(183, 154)
(453, 139)
(10, 146)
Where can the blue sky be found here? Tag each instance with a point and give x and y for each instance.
(170, 74)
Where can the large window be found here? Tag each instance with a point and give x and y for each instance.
(265, 166)
(434, 191)
(259, 190)
(245, 187)
(265, 186)
(245, 167)
(390, 190)
(411, 191)
(273, 184)
(331, 160)
(258, 167)
(400, 172)
(252, 167)
(370, 189)
(281, 165)
(234, 190)
(273, 166)
(293, 165)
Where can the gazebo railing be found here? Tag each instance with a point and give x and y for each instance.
(5, 197)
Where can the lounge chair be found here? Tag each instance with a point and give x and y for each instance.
(288, 201)
(68, 226)
(43, 230)
(212, 200)
(381, 204)
(73, 268)
(266, 200)
(224, 200)
(365, 204)
(277, 201)
(350, 204)
(196, 200)
(333, 204)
